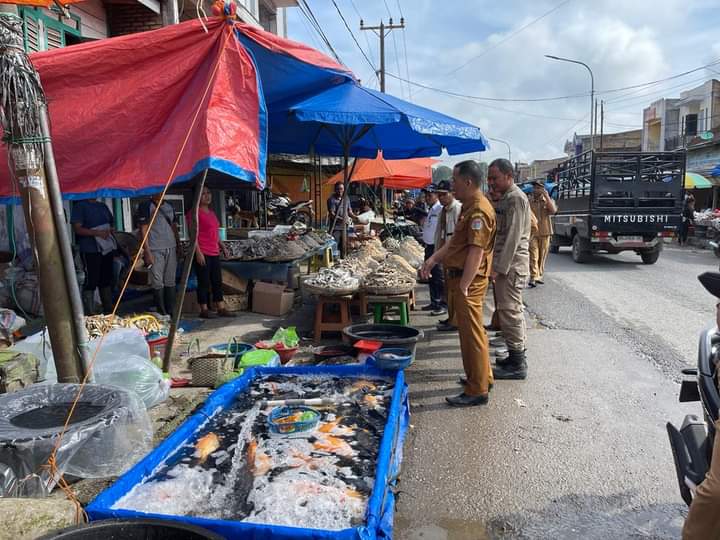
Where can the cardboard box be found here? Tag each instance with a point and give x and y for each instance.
(236, 302)
(233, 284)
(271, 299)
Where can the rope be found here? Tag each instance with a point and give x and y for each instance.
(51, 464)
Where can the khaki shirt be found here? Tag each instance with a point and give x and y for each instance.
(446, 226)
(513, 233)
(475, 227)
(539, 209)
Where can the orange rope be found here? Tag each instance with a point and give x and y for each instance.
(51, 465)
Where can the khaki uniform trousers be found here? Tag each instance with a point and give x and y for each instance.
(703, 521)
(509, 309)
(473, 338)
(539, 248)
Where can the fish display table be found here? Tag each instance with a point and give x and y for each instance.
(223, 470)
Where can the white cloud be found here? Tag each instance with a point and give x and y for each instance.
(624, 42)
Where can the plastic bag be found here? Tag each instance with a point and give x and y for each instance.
(123, 360)
(288, 337)
(110, 432)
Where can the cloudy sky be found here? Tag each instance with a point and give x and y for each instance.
(485, 48)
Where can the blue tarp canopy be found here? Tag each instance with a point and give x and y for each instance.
(348, 119)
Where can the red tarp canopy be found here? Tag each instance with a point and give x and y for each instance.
(122, 109)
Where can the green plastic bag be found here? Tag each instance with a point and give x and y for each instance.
(288, 337)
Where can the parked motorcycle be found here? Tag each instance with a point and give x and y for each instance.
(715, 247)
(692, 444)
(285, 212)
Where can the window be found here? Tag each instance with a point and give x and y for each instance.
(691, 125)
(44, 29)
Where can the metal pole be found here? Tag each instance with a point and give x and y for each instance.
(187, 266)
(506, 144)
(64, 242)
(592, 92)
(602, 122)
(382, 57)
(22, 97)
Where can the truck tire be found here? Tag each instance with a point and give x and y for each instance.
(650, 257)
(581, 250)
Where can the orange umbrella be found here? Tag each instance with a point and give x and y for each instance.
(395, 173)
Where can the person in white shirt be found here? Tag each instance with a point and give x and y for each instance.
(437, 305)
(446, 226)
(366, 215)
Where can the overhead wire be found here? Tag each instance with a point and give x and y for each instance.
(407, 65)
(371, 51)
(352, 35)
(307, 11)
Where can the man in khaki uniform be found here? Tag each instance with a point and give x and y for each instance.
(445, 229)
(543, 207)
(467, 256)
(510, 266)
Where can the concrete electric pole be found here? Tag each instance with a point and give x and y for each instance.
(382, 31)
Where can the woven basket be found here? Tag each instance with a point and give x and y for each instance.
(324, 291)
(210, 367)
(390, 291)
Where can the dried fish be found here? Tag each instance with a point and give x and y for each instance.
(388, 276)
(332, 279)
(98, 325)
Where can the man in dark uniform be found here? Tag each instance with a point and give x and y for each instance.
(467, 256)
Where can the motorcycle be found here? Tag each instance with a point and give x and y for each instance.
(285, 212)
(692, 444)
(715, 247)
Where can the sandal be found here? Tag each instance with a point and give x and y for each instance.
(225, 314)
(205, 314)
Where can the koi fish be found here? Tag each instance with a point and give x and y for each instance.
(307, 460)
(353, 493)
(259, 463)
(206, 445)
(333, 445)
(362, 386)
(371, 401)
(335, 428)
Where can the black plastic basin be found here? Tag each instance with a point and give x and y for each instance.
(390, 335)
(133, 529)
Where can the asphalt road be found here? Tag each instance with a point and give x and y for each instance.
(579, 450)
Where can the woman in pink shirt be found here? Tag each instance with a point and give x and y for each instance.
(207, 259)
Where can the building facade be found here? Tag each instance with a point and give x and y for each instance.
(661, 125)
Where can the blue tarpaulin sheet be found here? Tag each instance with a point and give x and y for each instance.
(379, 517)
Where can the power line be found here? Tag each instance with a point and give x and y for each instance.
(310, 16)
(407, 65)
(347, 26)
(367, 39)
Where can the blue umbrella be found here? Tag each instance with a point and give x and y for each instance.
(350, 120)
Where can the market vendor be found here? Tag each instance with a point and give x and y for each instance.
(161, 250)
(92, 222)
(366, 215)
(207, 259)
(339, 212)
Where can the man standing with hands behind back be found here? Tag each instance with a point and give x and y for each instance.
(510, 266)
(467, 257)
(543, 207)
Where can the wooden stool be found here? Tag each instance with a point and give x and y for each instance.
(382, 303)
(413, 306)
(326, 322)
(360, 301)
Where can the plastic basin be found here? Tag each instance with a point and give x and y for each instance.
(392, 358)
(390, 335)
(133, 529)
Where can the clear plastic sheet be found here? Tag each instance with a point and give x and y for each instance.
(109, 432)
(123, 360)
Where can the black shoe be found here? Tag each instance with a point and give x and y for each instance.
(444, 321)
(463, 381)
(445, 327)
(539, 282)
(531, 285)
(464, 400)
(491, 328)
(429, 307)
(513, 368)
(438, 311)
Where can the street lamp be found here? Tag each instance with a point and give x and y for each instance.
(592, 93)
(506, 144)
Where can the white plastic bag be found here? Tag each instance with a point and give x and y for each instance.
(123, 360)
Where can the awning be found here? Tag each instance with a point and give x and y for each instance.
(697, 181)
(395, 173)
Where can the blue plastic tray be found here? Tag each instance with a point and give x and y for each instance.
(379, 519)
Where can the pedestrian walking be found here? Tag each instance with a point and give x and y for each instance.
(510, 266)
(437, 304)
(161, 249)
(449, 216)
(92, 222)
(339, 214)
(208, 268)
(688, 218)
(468, 259)
(543, 208)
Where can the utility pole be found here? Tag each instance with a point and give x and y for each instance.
(602, 122)
(24, 121)
(382, 31)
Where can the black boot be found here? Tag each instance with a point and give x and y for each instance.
(169, 294)
(106, 297)
(159, 301)
(88, 300)
(514, 368)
